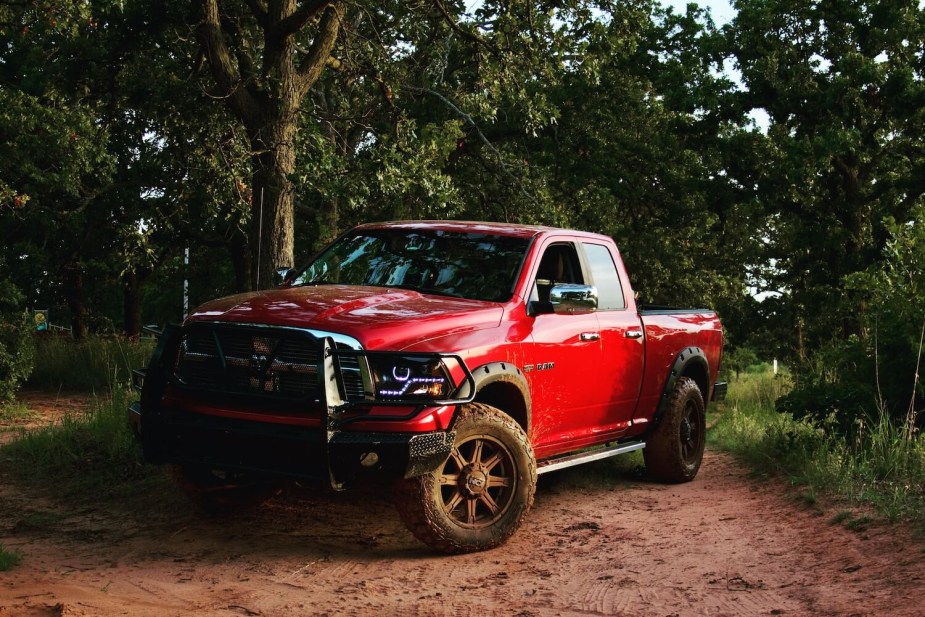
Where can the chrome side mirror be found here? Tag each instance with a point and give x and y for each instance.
(570, 299)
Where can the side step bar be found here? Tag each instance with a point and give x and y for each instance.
(554, 464)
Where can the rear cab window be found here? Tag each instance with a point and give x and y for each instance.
(605, 278)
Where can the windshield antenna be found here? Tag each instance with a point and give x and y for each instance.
(259, 242)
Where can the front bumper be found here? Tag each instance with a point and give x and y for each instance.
(285, 450)
(327, 451)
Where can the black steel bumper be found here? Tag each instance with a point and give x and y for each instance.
(719, 390)
(285, 450)
(328, 452)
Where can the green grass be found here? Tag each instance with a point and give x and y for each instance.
(88, 456)
(9, 559)
(10, 412)
(878, 469)
(94, 365)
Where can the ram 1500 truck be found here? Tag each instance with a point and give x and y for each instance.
(455, 359)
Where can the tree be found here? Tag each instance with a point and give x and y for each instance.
(841, 82)
(264, 74)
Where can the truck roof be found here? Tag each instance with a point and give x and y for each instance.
(513, 230)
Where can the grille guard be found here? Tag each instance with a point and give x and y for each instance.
(329, 398)
(331, 393)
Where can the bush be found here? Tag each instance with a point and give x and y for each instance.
(16, 348)
(880, 465)
(94, 365)
(860, 379)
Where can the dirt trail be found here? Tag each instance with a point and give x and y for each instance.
(599, 541)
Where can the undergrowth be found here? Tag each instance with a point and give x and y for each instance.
(89, 455)
(94, 365)
(9, 559)
(880, 466)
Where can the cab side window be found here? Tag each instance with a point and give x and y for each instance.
(559, 264)
(606, 279)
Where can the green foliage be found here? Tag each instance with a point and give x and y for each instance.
(739, 359)
(863, 377)
(9, 559)
(841, 85)
(16, 348)
(92, 454)
(880, 465)
(94, 365)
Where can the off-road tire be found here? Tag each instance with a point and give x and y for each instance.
(214, 494)
(674, 451)
(478, 498)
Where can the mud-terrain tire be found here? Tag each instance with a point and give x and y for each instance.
(674, 451)
(215, 494)
(478, 498)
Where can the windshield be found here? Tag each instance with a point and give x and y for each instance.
(477, 266)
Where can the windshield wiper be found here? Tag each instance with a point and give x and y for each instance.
(313, 283)
(424, 290)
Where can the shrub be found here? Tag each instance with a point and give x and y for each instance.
(860, 378)
(16, 347)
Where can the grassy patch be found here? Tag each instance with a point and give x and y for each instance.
(879, 468)
(14, 411)
(90, 456)
(94, 365)
(9, 559)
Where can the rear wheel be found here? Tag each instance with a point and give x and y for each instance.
(478, 498)
(217, 491)
(675, 450)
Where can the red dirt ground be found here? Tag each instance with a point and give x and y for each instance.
(599, 541)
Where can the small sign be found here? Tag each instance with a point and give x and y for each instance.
(40, 316)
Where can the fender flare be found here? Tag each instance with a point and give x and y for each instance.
(507, 372)
(153, 390)
(687, 358)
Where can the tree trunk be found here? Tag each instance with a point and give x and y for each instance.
(131, 304)
(241, 262)
(265, 89)
(272, 220)
(76, 301)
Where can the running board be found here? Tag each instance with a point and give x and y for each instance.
(554, 464)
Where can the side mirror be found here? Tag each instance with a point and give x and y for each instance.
(570, 299)
(285, 275)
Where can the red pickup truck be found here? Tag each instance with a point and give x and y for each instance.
(456, 359)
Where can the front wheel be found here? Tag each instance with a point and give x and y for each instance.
(675, 450)
(478, 498)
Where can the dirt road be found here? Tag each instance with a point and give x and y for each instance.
(599, 541)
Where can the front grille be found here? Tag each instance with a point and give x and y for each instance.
(273, 364)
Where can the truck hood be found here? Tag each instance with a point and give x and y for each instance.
(378, 317)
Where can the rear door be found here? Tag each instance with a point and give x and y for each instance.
(622, 361)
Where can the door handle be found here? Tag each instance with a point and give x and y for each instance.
(633, 334)
(589, 336)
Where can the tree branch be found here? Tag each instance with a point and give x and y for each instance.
(471, 36)
(311, 67)
(259, 10)
(221, 64)
(301, 16)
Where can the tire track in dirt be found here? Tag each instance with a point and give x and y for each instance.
(598, 542)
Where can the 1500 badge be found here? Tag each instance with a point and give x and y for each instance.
(543, 366)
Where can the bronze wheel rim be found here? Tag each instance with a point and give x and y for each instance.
(691, 433)
(477, 482)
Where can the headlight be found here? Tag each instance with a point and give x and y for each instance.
(409, 377)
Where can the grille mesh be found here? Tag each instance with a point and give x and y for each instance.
(273, 364)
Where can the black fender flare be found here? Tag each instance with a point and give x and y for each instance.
(687, 359)
(509, 373)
